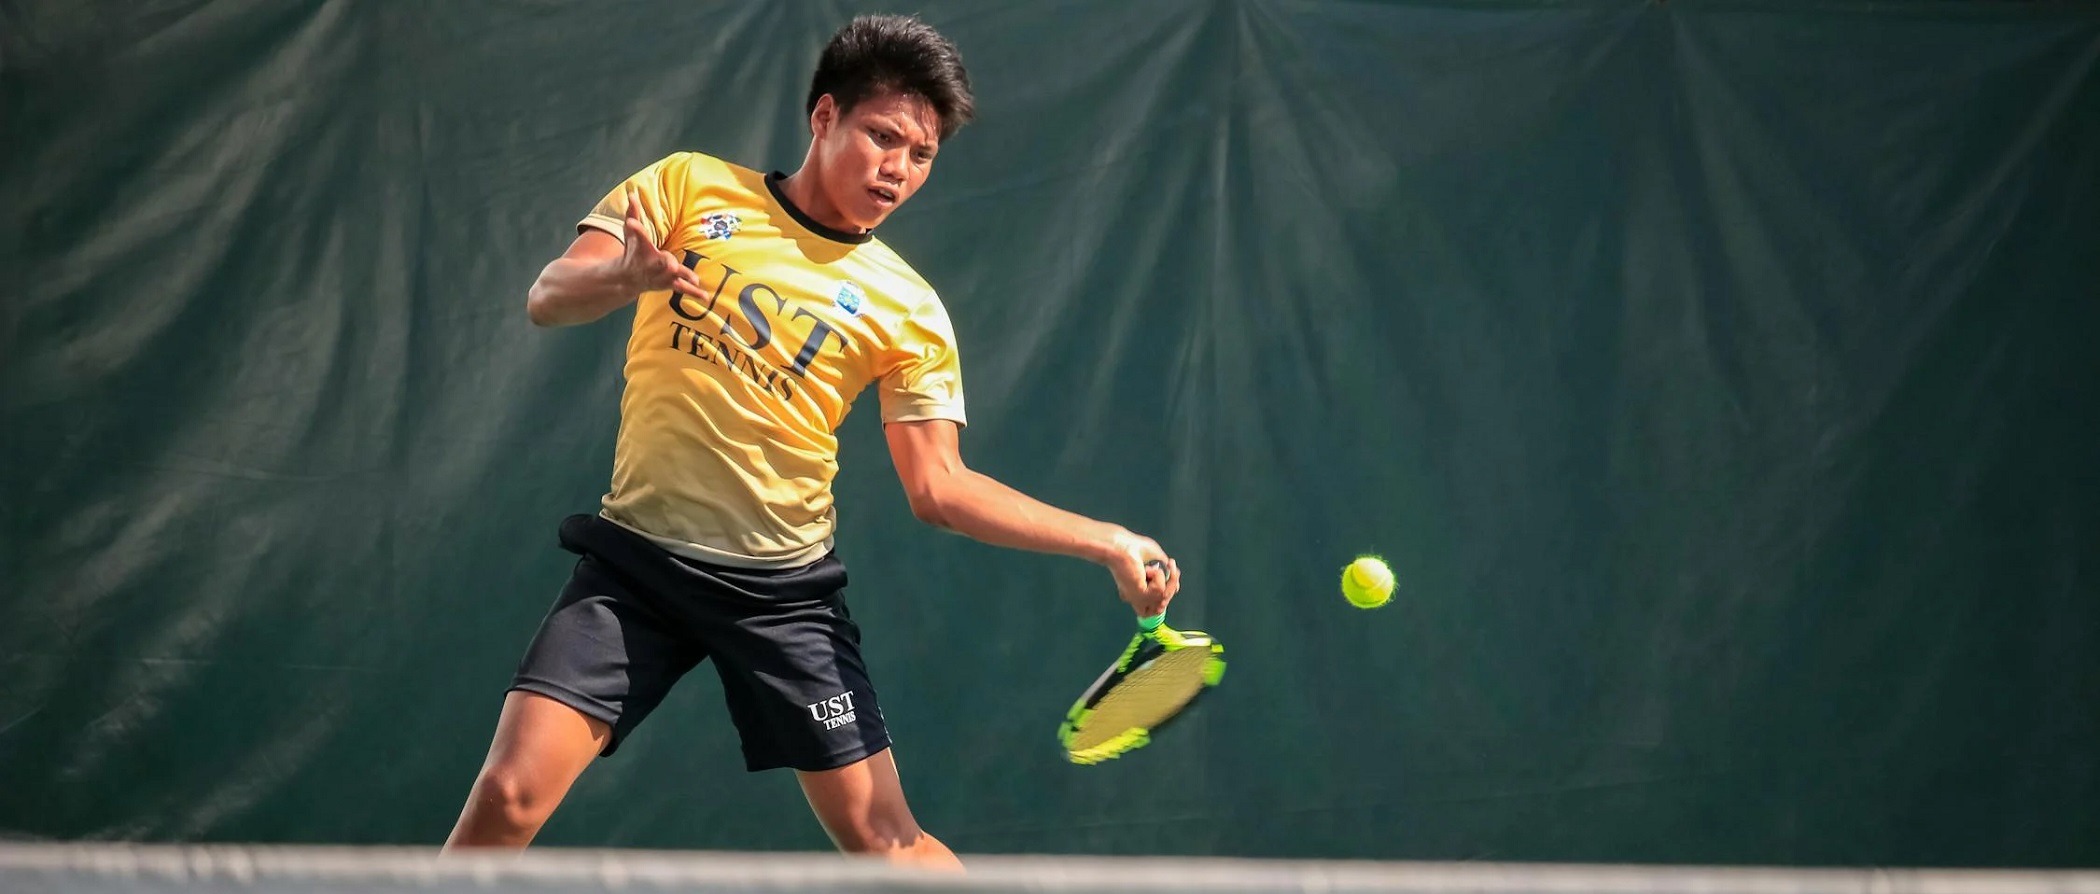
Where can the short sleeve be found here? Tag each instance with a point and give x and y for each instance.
(662, 189)
(922, 375)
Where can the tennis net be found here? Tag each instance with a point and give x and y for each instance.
(94, 868)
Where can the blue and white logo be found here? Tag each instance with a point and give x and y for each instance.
(850, 298)
(720, 225)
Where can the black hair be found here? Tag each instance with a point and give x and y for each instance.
(874, 53)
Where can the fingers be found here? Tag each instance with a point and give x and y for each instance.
(1157, 573)
(1158, 579)
(637, 229)
(634, 205)
(654, 268)
(683, 280)
(1152, 594)
(1147, 603)
(1161, 570)
(1159, 595)
(639, 243)
(1146, 576)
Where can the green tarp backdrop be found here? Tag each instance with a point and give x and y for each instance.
(1719, 378)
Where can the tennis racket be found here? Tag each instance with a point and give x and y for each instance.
(1158, 676)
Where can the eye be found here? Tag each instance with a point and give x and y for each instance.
(882, 137)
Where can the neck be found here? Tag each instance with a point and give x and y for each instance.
(801, 188)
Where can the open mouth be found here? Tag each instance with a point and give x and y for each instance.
(884, 196)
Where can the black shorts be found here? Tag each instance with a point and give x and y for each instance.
(634, 618)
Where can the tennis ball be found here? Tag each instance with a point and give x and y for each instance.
(1367, 582)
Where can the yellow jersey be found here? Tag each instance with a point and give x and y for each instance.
(727, 446)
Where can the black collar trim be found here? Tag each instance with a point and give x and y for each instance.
(807, 222)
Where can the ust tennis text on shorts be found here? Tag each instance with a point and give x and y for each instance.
(833, 712)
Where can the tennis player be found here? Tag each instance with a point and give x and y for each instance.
(763, 305)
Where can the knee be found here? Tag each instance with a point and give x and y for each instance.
(510, 798)
(877, 834)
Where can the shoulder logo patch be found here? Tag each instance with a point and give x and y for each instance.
(720, 225)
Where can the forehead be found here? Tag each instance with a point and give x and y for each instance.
(909, 112)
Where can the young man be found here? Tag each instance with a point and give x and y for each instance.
(763, 306)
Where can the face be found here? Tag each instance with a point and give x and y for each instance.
(875, 156)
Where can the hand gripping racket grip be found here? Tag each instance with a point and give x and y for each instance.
(1152, 623)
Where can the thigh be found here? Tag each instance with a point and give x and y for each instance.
(540, 747)
(605, 653)
(544, 744)
(860, 804)
(797, 686)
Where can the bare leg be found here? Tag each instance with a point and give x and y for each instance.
(541, 746)
(862, 808)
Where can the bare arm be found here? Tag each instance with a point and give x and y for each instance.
(948, 495)
(600, 274)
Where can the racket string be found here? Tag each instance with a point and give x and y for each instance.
(1145, 697)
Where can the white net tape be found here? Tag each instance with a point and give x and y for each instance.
(140, 869)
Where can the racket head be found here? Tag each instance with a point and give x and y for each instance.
(1161, 673)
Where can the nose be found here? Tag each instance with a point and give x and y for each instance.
(892, 168)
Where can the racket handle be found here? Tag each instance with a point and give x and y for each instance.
(1152, 623)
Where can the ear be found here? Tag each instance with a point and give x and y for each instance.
(823, 116)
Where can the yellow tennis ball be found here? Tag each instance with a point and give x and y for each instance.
(1367, 582)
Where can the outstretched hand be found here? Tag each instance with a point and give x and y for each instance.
(646, 268)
